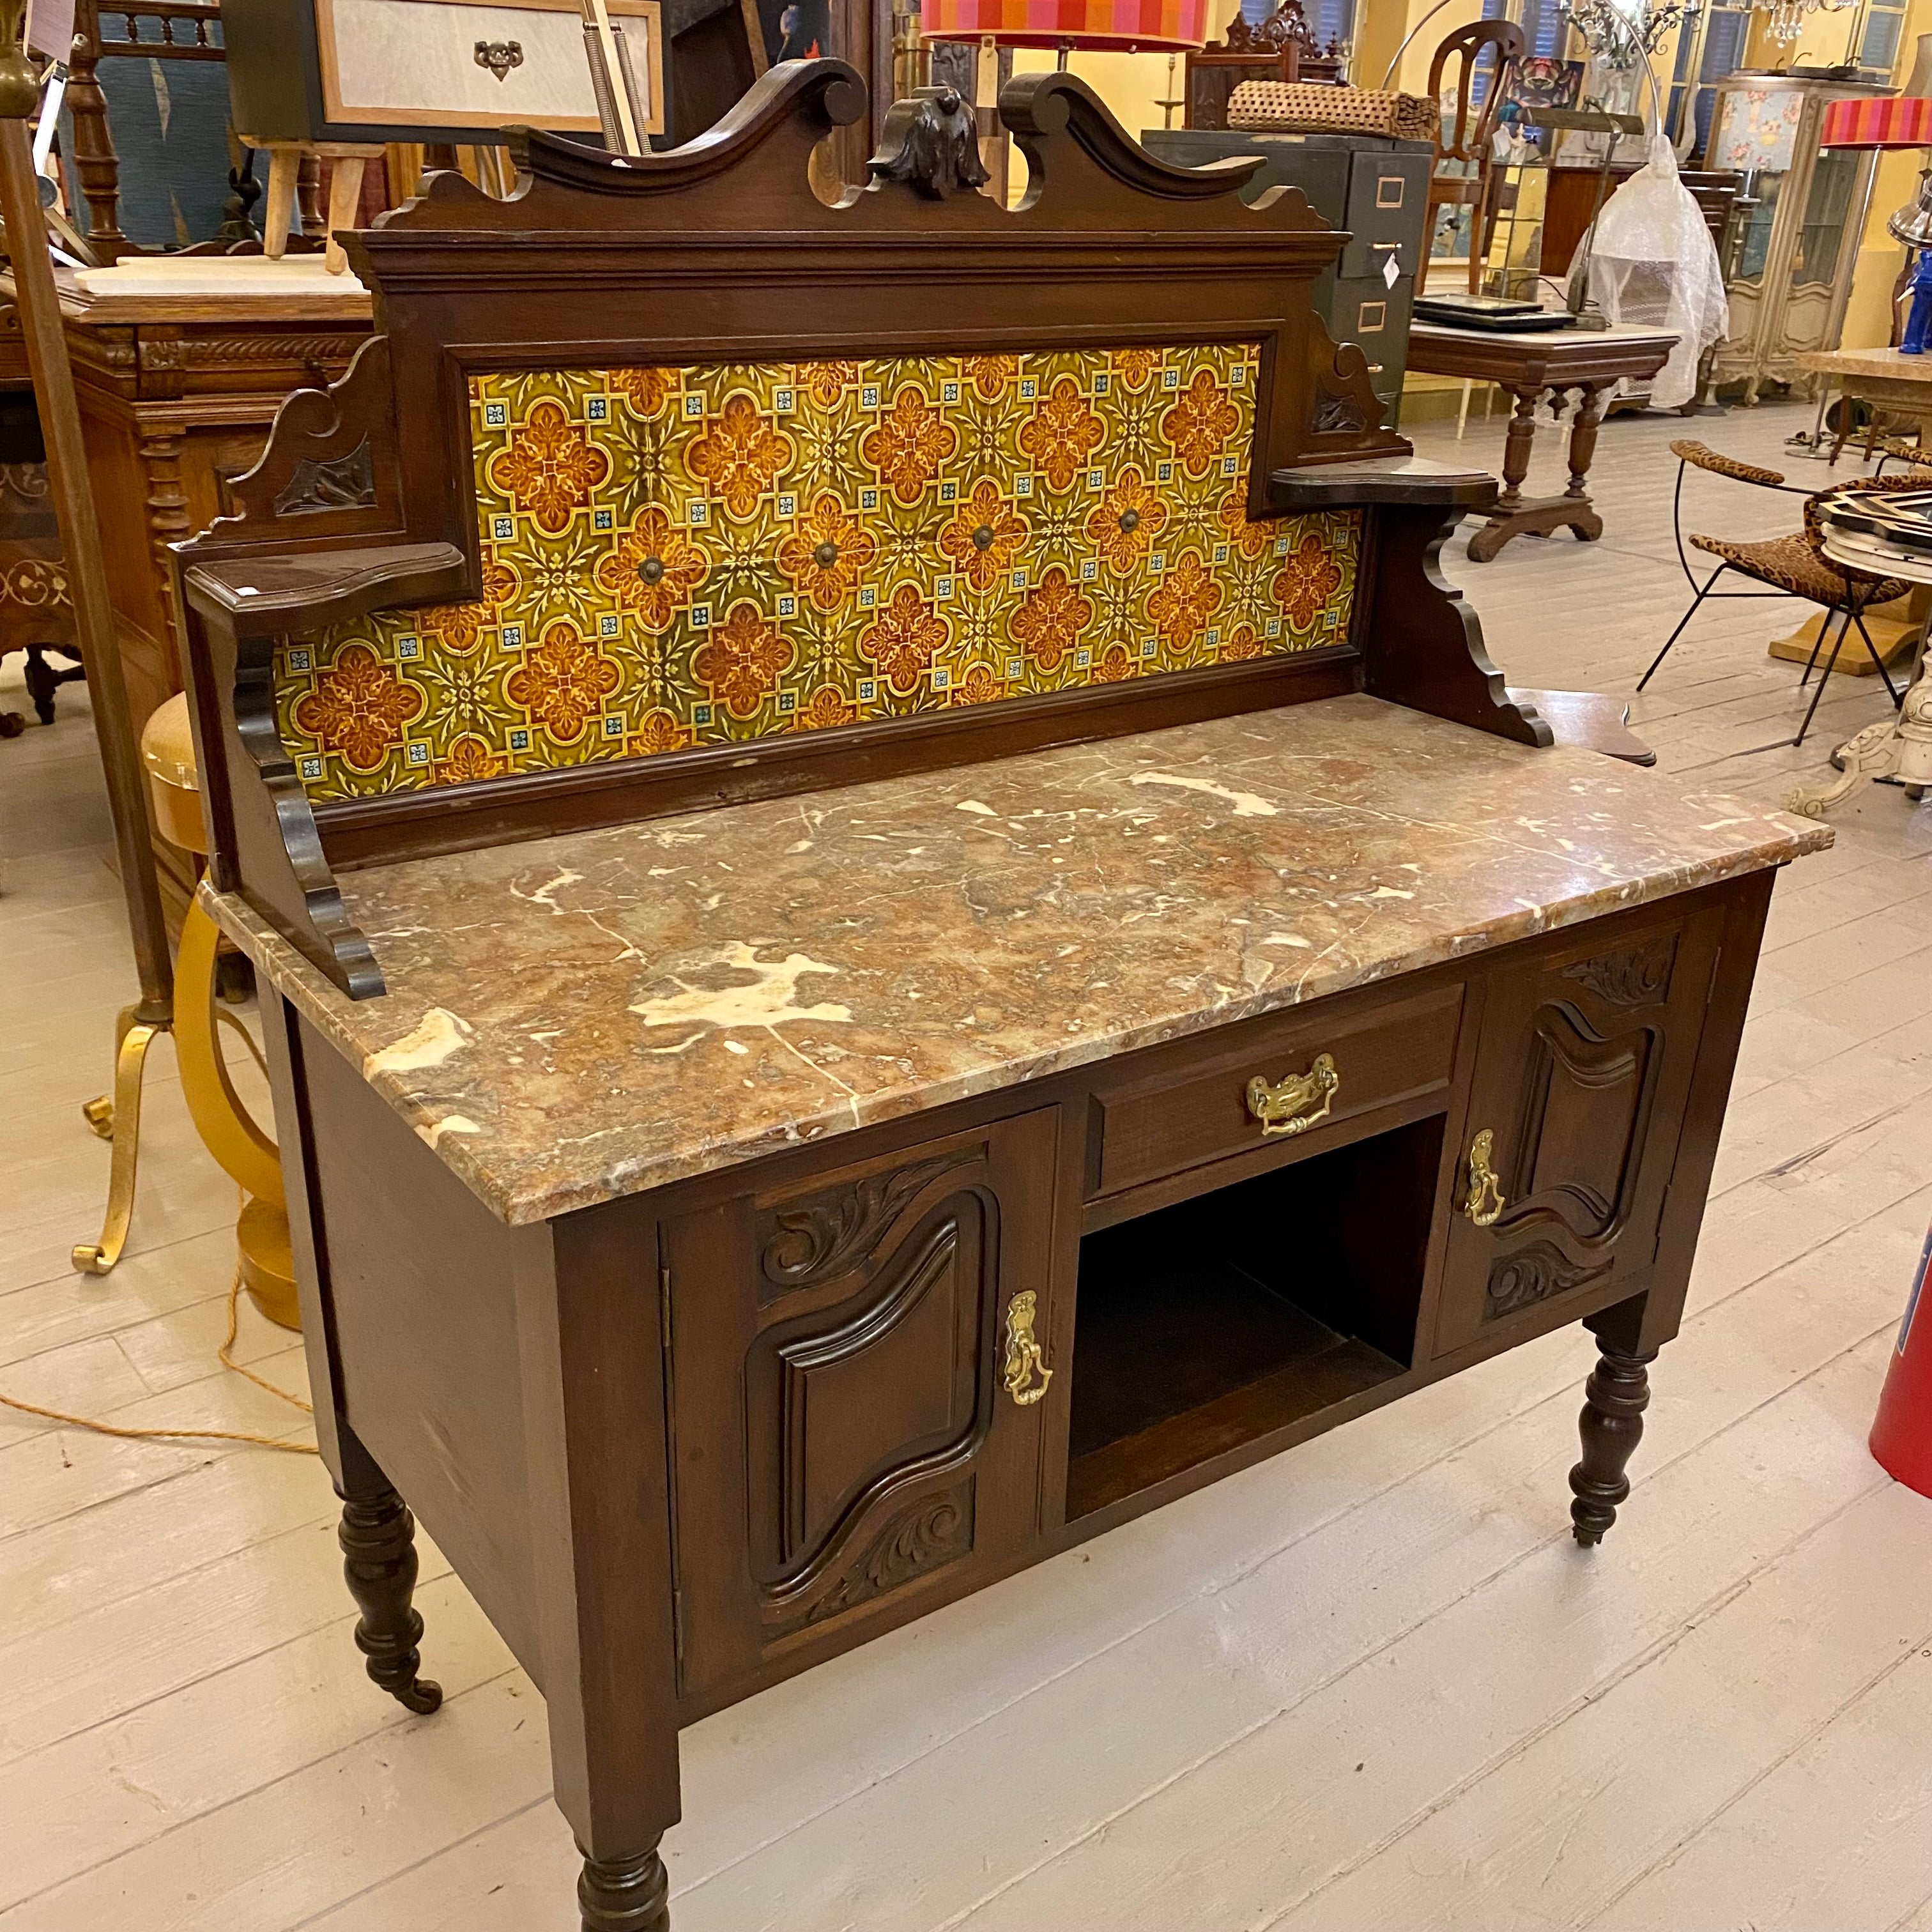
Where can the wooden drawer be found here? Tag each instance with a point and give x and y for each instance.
(1179, 1119)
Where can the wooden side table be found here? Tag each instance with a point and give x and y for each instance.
(1530, 366)
(181, 365)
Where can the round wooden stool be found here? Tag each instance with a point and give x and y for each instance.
(245, 1153)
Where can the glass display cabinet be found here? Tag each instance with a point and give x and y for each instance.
(1793, 275)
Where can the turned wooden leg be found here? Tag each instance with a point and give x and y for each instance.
(629, 1895)
(1583, 436)
(1516, 442)
(378, 1539)
(1612, 1425)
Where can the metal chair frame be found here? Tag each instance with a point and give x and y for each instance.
(1851, 612)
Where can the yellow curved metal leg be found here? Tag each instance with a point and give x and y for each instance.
(98, 1113)
(124, 1127)
(245, 1153)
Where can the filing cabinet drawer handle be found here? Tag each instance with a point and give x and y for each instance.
(1292, 1105)
(1027, 1374)
(1486, 1200)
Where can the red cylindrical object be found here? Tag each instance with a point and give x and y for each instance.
(1901, 1437)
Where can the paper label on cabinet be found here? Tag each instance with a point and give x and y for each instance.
(1391, 274)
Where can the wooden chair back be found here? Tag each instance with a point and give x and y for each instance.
(177, 30)
(1465, 138)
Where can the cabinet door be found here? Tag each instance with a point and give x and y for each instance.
(1583, 1075)
(856, 1411)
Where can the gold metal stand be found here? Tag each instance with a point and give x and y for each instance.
(43, 335)
(247, 1155)
(117, 1117)
(244, 1153)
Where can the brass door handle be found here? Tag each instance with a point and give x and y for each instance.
(1291, 1106)
(1027, 1374)
(1485, 1200)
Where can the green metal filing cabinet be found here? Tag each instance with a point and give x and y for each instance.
(1378, 190)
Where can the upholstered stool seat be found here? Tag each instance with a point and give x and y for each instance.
(1790, 563)
(1787, 566)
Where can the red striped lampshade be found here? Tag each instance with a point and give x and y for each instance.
(1145, 24)
(1903, 122)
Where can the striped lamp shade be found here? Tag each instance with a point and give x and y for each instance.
(1143, 24)
(1904, 121)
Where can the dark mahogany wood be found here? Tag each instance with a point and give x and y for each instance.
(1585, 1067)
(629, 1895)
(1427, 651)
(684, 1445)
(378, 1558)
(1612, 1425)
(1528, 367)
(1594, 721)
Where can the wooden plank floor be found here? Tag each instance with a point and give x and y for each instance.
(1372, 1684)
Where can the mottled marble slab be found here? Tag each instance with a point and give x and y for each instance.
(583, 1017)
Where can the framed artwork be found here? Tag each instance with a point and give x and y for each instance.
(1540, 82)
(372, 71)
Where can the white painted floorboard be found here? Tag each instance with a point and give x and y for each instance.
(1372, 1684)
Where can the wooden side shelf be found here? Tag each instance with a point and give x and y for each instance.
(1206, 1325)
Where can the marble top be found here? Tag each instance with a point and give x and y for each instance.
(1889, 363)
(578, 1018)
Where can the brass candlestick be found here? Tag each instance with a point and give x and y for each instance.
(38, 303)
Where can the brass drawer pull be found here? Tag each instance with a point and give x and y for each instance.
(1024, 1362)
(1289, 1106)
(1486, 1199)
(500, 56)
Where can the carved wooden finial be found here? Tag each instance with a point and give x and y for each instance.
(930, 143)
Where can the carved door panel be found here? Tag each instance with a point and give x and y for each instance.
(855, 1391)
(1583, 1075)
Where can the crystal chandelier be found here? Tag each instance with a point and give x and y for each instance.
(1786, 18)
(1621, 36)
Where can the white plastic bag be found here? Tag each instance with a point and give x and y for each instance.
(1651, 263)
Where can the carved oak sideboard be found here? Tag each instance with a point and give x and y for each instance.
(901, 928)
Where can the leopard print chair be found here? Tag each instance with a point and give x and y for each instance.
(1786, 566)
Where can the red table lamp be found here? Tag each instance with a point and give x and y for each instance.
(1904, 121)
(1121, 26)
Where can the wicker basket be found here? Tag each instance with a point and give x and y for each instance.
(1309, 105)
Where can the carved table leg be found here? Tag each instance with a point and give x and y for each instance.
(1582, 447)
(1502, 524)
(1516, 442)
(378, 1539)
(629, 1895)
(1612, 1425)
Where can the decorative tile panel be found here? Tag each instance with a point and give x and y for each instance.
(690, 557)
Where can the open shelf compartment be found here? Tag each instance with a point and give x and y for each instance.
(1203, 1326)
